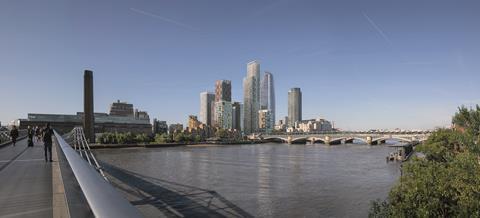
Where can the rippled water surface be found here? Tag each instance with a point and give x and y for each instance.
(273, 180)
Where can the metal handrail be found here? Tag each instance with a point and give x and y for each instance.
(5, 135)
(103, 198)
(79, 136)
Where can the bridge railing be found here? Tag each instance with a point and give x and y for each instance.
(104, 200)
(80, 144)
(5, 135)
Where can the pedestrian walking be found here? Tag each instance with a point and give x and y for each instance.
(14, 134)
(30, 133)
(47, 142)
(38, 133)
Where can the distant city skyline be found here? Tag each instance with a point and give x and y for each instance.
(373, 64)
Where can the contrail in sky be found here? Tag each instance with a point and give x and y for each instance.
(377, 28)
(163, 18)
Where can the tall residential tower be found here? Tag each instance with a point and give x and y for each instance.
(294, 106)
(223, 104)
(206, 106)
(267, 97)
(223, 90)
(251, 95)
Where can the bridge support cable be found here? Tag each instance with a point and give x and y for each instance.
(103, 199)
(95, 162)
(78, 139)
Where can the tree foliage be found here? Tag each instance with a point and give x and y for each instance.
(123, 138)
(446, 183)
(163, 138)
(221, 133)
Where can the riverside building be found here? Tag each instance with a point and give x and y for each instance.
(206, 107)
(267, 97)
(120, 118)
(294, 106)
(264, 121)
(223, 104)
(251, 95)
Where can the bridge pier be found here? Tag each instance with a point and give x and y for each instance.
(327, 140)
(289, 139)
(370, 141)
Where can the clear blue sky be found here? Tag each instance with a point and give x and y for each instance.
(362, 64)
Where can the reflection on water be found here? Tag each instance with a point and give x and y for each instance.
(271, 180)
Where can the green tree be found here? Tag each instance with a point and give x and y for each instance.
(446, 182)
(221, 133)
(468, 119)
(162, 138)
(197, 138)
(142, 138)
(179, 137)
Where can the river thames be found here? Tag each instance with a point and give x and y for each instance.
(261, 180)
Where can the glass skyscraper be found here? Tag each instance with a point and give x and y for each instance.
(294, 106)
(251, 95)
(267, 97)
(206, 106)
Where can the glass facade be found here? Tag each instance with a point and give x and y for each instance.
(206, 106)
(267, 96)
(251, 94)
(294, 106)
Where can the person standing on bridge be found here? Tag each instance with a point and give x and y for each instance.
(47, 142)
(14, 134)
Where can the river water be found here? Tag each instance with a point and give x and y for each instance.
(271, 180)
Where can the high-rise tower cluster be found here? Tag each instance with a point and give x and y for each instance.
(218, 110)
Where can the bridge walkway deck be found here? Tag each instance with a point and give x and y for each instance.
(25, 181)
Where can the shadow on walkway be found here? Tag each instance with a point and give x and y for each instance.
(173, 199)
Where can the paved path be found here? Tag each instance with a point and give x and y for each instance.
(25, 181)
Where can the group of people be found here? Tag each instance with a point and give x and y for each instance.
(44, 134)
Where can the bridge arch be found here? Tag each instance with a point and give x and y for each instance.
(276, 139)
(301, 140)
(360, 139)
(317, 140)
